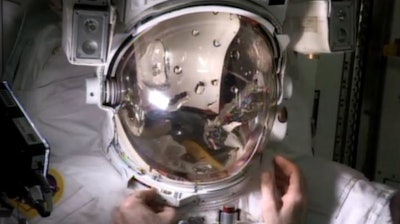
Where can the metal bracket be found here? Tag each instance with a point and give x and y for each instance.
(342, 26)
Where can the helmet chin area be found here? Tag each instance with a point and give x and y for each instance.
(195, 95)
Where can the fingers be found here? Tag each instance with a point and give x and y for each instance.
(286, 170)
(268, 192)
(168, 214)
(139, 197)
(270, 203)
(284, 165)
(290, 181)
(143, 207)
(146, 195)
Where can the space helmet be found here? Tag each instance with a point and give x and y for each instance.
(195, 89)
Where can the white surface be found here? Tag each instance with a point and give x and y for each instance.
(278, 131)
(328, 81)
(303, 74)
(307, 25)
(93, 91)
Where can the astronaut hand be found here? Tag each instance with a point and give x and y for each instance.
(284, 198)
(141, 207)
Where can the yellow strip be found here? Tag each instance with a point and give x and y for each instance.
(199, 153)
(28, 211)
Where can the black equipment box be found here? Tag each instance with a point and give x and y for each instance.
(24, 153)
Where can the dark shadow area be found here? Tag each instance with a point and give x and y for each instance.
(374, 69)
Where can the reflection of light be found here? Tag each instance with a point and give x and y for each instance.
(202, 70)
(202, 61)
(158, 99)
(203, 65)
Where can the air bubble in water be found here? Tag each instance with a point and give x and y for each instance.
(200, 87)
(195, 32)
(153, 64)
(217, 43)
(214, 82)
(156, 69)
(178, 70)
(234, 89)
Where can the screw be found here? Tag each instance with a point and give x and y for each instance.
(91, 25)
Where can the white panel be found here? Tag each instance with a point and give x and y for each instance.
(303, 72)
(323, 74)
(328, 82)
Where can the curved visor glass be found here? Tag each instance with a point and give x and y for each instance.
(197, 92)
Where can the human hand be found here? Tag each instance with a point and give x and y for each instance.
(284, 198)
(141, 208)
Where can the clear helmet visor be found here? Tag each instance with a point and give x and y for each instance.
(196, 95)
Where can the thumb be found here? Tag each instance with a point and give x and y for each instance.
(268, 192)
(167, 214)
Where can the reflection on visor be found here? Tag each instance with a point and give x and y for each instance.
(196, 93)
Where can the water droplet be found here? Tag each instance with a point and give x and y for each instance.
(178, 132)
(200, 87)
(235, 54)
(238, 40)
(234, 89)
(214, 82)
(215, 13)
(248, 73)
(217, 43)
(195, 32)
(178, 70)
(156, 69)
